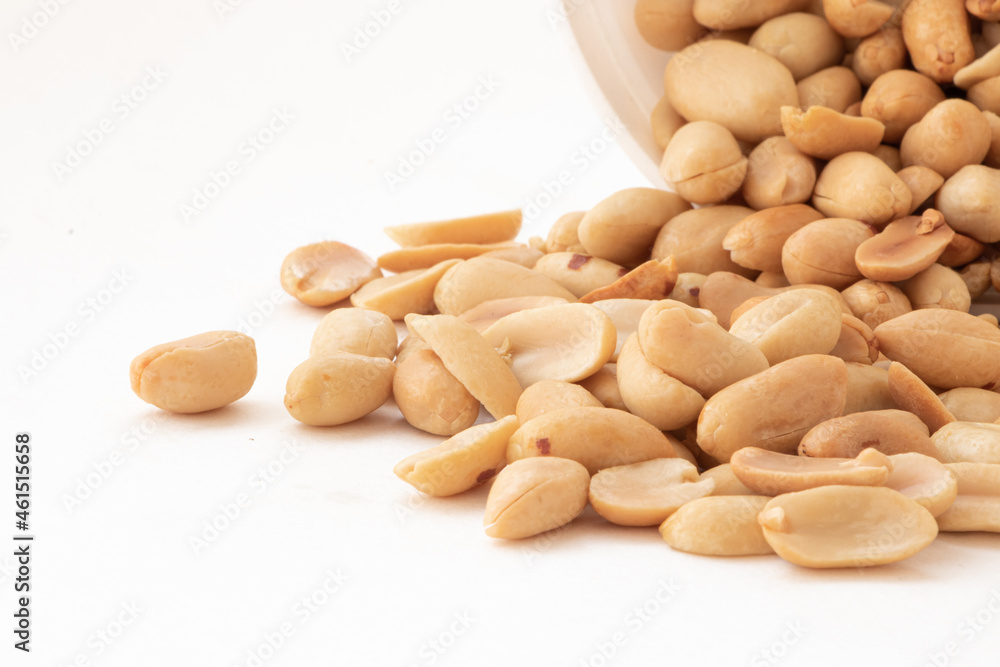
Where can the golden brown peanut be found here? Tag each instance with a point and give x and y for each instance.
(687, 288)
(718, 526)
(977, 277)
(986, 95)
(732, 14)
(563, 235)
(775, 408)
(726, 482)
(824, 133)
(650, 393)
(888, 431)
(778, 174)
(823, 252)
(890, 155)
(944, 348)
(937, 286)
(459, 463)
(968, 442)
(867, 389)
(876, 302)
(950, 136)
(923, 182)
(756, 241)
(535, 495)
(860, 186)
(694, 238)
(473, 361)
(879, 53)
(961, 251)
(604, 386)
(652, 280)
(924, 480)
(664, 121)
(900, 99)
(483, 316)
(984, 67)
(667, 25)
(969, 404)
(968, 200)
(596, 437)
(625, 314)
(430, 397)
(846, 526)
(622, 227)
(424, 257)
(937, 36)
(856, 18)
(197, 373)
(338, 388)
(320, 274)
(704, 163)
(904, 248)
(404, 293)
(480, 279)
(646, 493)
(804, 43)
(772, 474)
(691, 347)
(734, 85)
(548, 395)
(567, 342)
(834, 87)
(487, 228)
(355, 330)
(857, 342)
(722, 292)
(911, 393)
(977, 506)
(791, 324)
(578, 273)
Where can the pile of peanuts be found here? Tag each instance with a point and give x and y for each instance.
(789, 368)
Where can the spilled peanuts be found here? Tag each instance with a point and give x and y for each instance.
(789, 368)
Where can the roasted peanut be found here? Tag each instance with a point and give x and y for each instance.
(923, 479)
(778, 174)
(888, 431)
(969, 404)
(461, 462)
(937, 36)
(535, 495)
(480, 279)
(487, 228)
(804, 43)
(977, 506)
(860, 186)
(646, 493)
(356, 330)
(718, 526)
(694, 239)
(650, 393)
(835, 87)
(968, 442)
(950, 136)
(404, 293)
(622, 227)
(756, 241)
(668, 25)
(879, 53)
(824, 133)
(968, 200)
(704, 163)
(911, 393)
(548, 395)
(900, 99)
(937, 286)
(320, 274)
(195, 374)
(430, 397)
(338, 388)
(823, 252)
(791, 324)
(904, 248)
(771, 474)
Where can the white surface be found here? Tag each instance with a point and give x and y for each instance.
(335, 505)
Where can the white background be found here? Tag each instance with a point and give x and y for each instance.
(103, 251)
